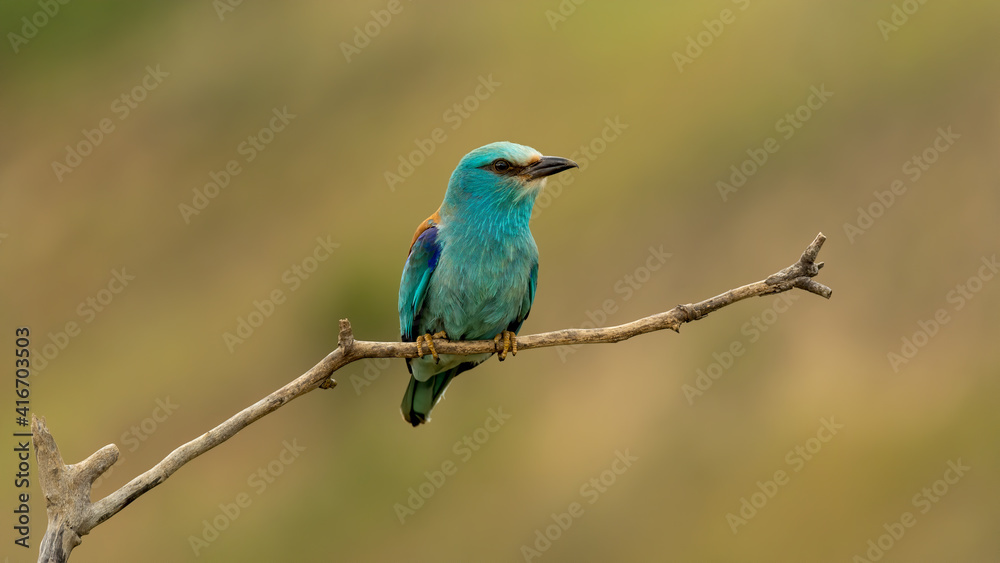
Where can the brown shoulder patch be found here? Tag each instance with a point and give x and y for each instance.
(429, 222)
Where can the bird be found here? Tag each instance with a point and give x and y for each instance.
(472, 267)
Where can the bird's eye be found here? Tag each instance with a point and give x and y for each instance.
(501, 165)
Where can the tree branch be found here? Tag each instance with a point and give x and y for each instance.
(71, 515)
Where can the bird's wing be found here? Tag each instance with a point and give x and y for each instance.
(424, 253)
(529, 298)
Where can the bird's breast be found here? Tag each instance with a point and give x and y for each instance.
(478, 289)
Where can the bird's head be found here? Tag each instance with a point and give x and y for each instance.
(503, 174)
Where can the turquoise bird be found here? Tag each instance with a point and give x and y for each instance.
(472, 267)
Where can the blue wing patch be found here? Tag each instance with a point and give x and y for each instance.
(424, 255)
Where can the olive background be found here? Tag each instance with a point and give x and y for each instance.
(693, 89)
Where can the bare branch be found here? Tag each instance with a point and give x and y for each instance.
(71, 515)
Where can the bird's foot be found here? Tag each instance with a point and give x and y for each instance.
(429, 340)
(509, 344)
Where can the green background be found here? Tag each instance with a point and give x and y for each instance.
(654, 185)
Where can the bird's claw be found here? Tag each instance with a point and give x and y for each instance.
(509, 344)
(429, 340)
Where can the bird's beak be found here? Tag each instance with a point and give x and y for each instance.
(547, 166)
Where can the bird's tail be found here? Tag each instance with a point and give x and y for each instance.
(421, 396)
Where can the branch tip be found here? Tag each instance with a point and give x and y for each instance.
(809, 256)
(50, 461)
(813, 286)
(346, 337)
(99, 462)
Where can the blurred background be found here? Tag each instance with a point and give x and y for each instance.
(191, 196)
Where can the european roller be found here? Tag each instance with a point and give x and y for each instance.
(472, 267)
